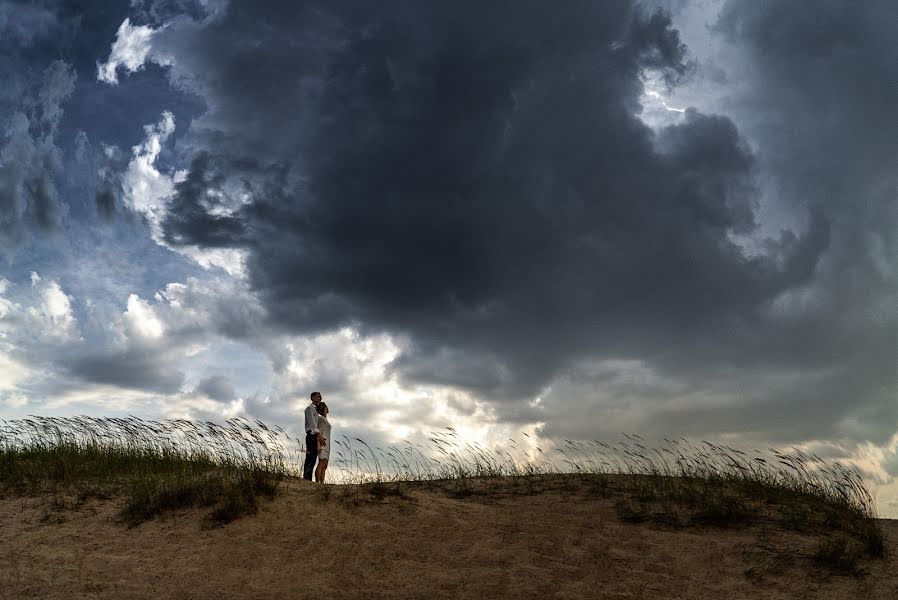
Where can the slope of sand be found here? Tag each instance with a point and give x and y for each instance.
(555, 544)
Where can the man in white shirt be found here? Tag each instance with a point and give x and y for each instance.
(313, 436)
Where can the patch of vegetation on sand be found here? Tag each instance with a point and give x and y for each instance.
(156, 465)
(676, 484)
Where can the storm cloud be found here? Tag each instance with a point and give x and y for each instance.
(477, 180)
(819, 107)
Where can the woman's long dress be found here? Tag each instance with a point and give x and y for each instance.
(324, 427)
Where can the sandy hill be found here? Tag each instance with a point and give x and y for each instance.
(332, 542)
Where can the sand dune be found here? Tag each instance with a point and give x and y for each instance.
(330, 544)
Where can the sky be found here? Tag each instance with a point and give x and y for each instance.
(567, 220)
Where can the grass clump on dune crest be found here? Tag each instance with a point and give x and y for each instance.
(678, 483)
(157, 465)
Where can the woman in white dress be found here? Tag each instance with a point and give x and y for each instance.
(324, 452)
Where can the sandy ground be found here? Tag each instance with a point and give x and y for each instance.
(557, 544)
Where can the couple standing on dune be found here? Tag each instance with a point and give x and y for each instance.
(318, 430)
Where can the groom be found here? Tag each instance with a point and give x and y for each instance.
(313, 436)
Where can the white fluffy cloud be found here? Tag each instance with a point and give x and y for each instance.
(366, 395)
(145, 187)
(197, 325)
(52, 318)
(141, 320)
(12, 374)
(37, 321)
(129, 51)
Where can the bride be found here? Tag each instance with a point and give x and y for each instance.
(324, 427)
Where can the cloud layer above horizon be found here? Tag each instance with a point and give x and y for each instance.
(572, 220)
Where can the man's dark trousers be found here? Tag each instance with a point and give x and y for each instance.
(311, 456)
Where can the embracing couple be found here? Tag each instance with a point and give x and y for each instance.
(318, 430)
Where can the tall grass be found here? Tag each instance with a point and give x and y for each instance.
(158, 465)
(449, 456)
(162, 465)
(675, 483)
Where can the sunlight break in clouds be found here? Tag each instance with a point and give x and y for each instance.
(656, 112)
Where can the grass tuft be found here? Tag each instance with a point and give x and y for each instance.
(838, 555)
(159, 466)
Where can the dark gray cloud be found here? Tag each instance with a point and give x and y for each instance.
(218, 388)
(191, 218)
(475, 179)
(21, 23)
(30, 161)
(101, 171)
(136, 368)
(818, 104)
(807, 90)
(34, 89)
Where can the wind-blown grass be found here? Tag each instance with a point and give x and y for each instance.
(164, 465)
(451, 457)
(678, 483)
(159, 465)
